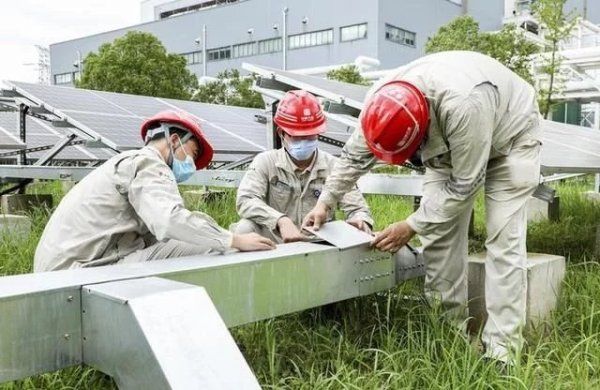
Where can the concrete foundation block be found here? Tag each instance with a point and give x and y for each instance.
(15, 225)
(24, 203)
(201, 196)
(540, 210)
(592, 196)
(545, 274)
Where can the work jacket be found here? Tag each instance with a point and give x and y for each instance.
(454, 139)
(130, 202)
(273, 187)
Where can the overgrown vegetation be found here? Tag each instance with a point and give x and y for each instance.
(392, 339)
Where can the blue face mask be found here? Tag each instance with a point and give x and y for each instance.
(183, 170)
(302, 149)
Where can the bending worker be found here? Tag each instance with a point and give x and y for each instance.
(474, 124)
(282, 185)
(130, 210)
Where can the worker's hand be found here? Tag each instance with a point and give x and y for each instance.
(360, 225)
(288, 230)
(317, 216)
(251, 242)
(394, 237)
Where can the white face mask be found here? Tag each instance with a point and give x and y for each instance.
(301, 150)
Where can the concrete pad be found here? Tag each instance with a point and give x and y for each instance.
(540, 210)
(24, 203)
(592, 196)
(545, 274)
(15, 225)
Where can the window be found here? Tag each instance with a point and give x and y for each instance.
(63, 78)
(194, 57)
(244, 49)
(270, 45)
(354, 32)
(315, 38)
(222, 53)
(522, 5)
(400, 36)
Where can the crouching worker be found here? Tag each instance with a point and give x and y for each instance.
(281, 186)
(130, 209)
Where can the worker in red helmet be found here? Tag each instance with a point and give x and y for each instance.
(473, 123)
(129, 209)
(282, 185)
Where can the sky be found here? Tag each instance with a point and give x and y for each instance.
(26, 23)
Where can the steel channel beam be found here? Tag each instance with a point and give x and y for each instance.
(40, 326)
(154, 333)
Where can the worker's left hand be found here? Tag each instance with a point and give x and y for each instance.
(360, 225)
(394, 237)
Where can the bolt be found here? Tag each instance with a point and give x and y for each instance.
(70, 298)
(67, 336)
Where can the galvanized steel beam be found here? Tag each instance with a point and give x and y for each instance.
(153, 333)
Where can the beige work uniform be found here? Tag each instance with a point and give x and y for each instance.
(127, 210)
(484, 131)
(273, 187)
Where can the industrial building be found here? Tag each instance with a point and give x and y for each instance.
(318, 32)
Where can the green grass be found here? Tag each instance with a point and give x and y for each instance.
(388, 340)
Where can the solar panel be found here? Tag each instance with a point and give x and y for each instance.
(40, 133)
(115, 119)
(8, 140)
(566, 149)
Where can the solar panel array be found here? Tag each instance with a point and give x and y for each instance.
(566, 148)
(115, 118)
(41, 133)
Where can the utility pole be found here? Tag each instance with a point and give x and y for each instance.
(204, 56)
(284, 38)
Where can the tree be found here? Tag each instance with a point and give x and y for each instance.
(347, 74)
(509, 45)
(557, 25)
(138, 64)
(230, 88)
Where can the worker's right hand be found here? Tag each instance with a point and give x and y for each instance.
(288, 230)
(251, 242)
(317, 216)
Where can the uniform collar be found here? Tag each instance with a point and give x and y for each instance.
(151, 151)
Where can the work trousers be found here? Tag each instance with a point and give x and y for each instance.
(510, 181)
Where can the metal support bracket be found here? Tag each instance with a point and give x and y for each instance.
(341, 109)
(154, 333)
(545, 193)
(270, 83)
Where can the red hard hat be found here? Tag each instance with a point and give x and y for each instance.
(189, 123)
(299, 113)
(394, 121)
